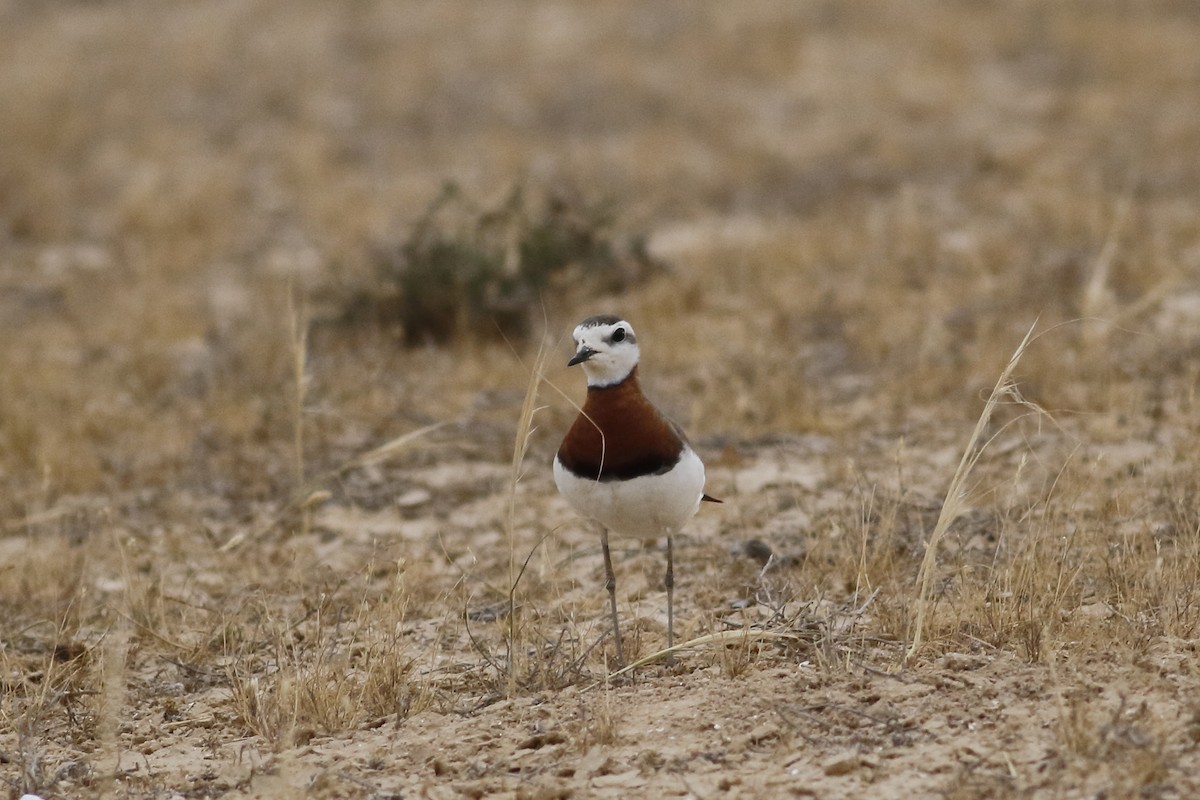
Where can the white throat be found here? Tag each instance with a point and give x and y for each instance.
(601, 375)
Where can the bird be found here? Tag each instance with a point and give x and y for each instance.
(622, 463)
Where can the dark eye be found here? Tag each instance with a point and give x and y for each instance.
(618, 335)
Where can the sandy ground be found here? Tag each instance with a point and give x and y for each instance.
(829, 711)
(214, 584)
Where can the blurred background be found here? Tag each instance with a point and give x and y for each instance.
(245, 242)
(819, 215)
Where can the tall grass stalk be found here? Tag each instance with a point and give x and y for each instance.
(955, 499)
(297, 318)
(525, 429)
(113, 697)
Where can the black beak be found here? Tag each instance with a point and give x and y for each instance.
(581, 356)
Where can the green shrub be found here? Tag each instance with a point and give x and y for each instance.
(464, 270)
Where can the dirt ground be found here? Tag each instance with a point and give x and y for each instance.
(255, 546)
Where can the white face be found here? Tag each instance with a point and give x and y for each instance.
(607, 349)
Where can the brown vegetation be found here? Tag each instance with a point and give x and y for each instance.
(249, 551)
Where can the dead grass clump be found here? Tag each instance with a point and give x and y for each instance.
(42, 695)
(1167, 552)
(469, 270)
(1027, 597)
(324, 675)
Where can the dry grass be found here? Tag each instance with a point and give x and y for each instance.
(246, 551)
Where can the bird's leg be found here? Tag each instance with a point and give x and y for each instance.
(610, 583)
(669, 580)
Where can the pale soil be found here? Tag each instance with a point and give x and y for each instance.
(832, 713)
(864, 206)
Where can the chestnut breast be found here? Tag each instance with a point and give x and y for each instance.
(620, 435)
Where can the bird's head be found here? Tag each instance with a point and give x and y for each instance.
(607, 348)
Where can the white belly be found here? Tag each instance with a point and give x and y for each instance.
(651, 505)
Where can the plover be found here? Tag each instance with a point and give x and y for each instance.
(622, 463)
